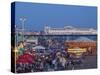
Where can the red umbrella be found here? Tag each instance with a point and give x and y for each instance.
(21, 61)
(25, 58)
(29, 58)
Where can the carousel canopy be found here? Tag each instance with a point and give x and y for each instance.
(84, 39)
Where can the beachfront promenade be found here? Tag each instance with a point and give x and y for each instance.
(46, 51)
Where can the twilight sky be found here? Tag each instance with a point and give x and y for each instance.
(38, 15)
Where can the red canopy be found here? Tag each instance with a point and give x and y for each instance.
(25, 58)
(21, 61)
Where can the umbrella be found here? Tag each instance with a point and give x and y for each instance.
(25, 58)
(21, 61)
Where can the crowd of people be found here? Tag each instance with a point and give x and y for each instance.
(48, 62)
(54, 58)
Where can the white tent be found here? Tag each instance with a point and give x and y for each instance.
(39, 47)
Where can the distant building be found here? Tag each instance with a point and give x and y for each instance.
(32, 40)
(68, 30)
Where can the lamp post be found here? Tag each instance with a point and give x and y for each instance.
(16, 36)
(16, 45)
(23, 19)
